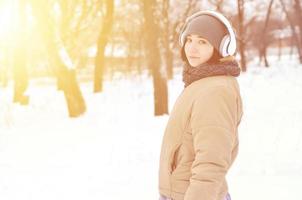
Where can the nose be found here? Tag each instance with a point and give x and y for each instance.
(192, 47)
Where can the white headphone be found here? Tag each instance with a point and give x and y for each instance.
(228, 43)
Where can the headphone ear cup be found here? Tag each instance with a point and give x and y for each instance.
(224, 45)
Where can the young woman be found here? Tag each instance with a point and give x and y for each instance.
(201, 139)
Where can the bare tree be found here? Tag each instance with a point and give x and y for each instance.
(167, 39)
(101, 45)
(76, 18)
(4, 68)
(298, 12)
(294, 33)
(59, 59)
(280, 26)
(241, 35)
(264, 43)
(19, 58)
(153, 59)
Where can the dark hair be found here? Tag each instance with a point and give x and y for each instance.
(214, 59)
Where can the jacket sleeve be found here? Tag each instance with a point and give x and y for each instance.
(213, 123)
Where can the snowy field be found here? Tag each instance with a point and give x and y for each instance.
(112, 151)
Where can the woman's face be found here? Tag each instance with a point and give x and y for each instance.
(198, 50)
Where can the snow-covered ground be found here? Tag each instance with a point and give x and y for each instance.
(112, 151)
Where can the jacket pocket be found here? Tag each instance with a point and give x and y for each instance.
(173, 156)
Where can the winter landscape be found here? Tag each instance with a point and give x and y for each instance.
(79, 79)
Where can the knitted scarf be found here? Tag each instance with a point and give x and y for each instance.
(227, 67)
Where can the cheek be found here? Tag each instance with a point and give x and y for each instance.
(186, 49)
(206, 51)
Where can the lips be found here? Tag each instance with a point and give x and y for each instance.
(193, 57)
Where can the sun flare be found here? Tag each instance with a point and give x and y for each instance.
(7, 19)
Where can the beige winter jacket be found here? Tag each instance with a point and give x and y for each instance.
(201, 140)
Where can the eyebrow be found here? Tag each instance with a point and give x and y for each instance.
(199, 37)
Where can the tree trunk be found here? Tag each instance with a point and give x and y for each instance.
(240, 4)
(291, 46)
(4, 72)
(299, 16)
(19, 58)
(279, 48)
(166, 40)
(101, 45)
(65, 73)
(264, 43)
(153, 59)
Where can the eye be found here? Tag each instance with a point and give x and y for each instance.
(202, 42)
(189, 40)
